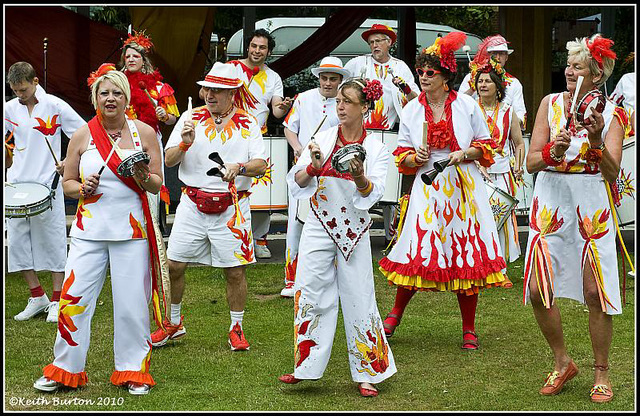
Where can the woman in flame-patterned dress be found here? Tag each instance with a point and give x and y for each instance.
(112, 228)
(449, 240)
(571, 251)
(334, 264)
(488, 78)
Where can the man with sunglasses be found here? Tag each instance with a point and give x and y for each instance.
(496, 47)
(398, 88)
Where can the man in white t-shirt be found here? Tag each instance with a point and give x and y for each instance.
(312, 110)
(496, 46)
(39, 242)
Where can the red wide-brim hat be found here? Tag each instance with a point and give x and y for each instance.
(378, 28)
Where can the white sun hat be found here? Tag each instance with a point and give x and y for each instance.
(499, 44)
(222, 76)
(330, 64)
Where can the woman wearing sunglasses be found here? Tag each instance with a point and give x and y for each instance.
(449, 240)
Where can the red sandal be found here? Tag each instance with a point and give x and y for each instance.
(389, 328)
(472, 342)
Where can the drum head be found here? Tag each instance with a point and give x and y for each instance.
(592, 100)
(24, 193)
(342, 157)
(125, 168)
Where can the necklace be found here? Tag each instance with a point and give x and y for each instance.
(219, 117)
(493, 119)
(115, 136)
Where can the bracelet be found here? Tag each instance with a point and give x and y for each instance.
(599, 147)
(165, 118)
(551, 159)
(184, 146)
(464, 153)
(415, 156)
(367, 189)
(311, 171)
(82, 194)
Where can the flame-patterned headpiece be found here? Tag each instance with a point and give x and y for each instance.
(140, 39)
(103, 69)
(445, 47)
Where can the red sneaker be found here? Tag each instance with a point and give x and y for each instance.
(161, 336)
(236, 339)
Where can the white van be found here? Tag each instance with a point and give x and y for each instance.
(290, 32)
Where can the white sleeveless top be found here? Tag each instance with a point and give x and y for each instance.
(114, 211)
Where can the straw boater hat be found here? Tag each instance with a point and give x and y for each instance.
(225, 76)
(378, 28)
(498, 43)
(330, 64)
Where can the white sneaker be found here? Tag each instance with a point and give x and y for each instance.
(262, 251)
(287, 291)
(46, 384)
(52, 315)
(34, 307)
(138, 389)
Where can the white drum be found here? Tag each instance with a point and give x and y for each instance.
(502, 204)
(269, 193)
(393, 185)
(26, 199)
(626, 183)
(524, 192)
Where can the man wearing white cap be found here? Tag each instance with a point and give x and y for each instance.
(496, 47)
(312, 110)
(266, 85)
(398, 88)
(219, 148)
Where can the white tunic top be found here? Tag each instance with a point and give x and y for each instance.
(32, 161)
(309, 108)
(625, 92)
(388, 108)
(500, 127)
(239, 141)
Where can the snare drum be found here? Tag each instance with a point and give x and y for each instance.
(502, 204)
(269, 193)
(125, 168)
(626, 183)
(393, 184)
(591, 100)
(26, 199)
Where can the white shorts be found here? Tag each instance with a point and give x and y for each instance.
(39, 242)
(208, 239)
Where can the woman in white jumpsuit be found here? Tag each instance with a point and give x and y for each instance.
(335, 249)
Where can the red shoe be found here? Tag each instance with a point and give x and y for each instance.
(555, 381)
(507, 284)
(365, 392)
(161, 336)
(389, 327)
(289, 379)
(236, 339)
(469, 343)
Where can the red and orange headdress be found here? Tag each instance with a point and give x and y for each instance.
(444, 48)
(140, 39)
(103, 69)
(600, 48)
(485, 66)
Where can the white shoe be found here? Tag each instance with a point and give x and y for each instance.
(287, 291)
(46, 384)
(52, 315)
(262, 251)
(138, 389)
(34, 307)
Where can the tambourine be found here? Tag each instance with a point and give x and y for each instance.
(125, 168)
(593, 99)
(342, 157)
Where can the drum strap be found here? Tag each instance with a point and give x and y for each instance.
(104, 145)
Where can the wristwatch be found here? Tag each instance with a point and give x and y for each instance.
(242, 169)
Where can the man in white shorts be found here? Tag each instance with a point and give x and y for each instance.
(212, 224)
(39, 242)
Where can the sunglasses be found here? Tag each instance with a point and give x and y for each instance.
(429, 72)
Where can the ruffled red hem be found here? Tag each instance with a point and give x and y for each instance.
(488, 150)
(119, 378)
(443, 275)
(62, 376)
(401, 153)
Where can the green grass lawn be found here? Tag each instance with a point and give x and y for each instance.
(200, 373)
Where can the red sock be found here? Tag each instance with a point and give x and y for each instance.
(56, 296)
(468, 306)
(403, 296)
(36, 292)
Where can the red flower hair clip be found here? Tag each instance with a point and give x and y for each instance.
(600, 48)
(103, 69)
(373, 90)
(139, 38)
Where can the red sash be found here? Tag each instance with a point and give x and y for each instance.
(104, 146)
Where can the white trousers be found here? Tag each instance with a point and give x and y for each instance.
(260, 224)
(325, 278)
(85, 274)
(294, 232)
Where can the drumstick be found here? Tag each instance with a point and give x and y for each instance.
(313, 136)
(110, 154)
(55, 159)
(425, 125)
(189, 109)
(575, 100)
